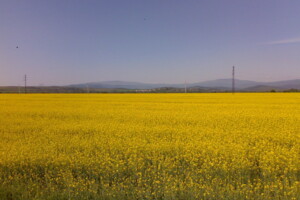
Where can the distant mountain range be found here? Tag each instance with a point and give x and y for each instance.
(219, 84)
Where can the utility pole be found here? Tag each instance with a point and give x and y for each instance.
(233, 81)
(87, 88)
(25, 83)
(185, 86)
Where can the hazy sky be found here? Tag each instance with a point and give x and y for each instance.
(165, 41)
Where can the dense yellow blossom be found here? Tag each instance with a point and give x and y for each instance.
(150, 146)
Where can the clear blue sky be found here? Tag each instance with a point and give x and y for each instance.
(154, 41)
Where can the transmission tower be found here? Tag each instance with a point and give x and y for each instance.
(25, 84)
(233, 80)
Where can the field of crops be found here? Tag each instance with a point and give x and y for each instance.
(150, 146)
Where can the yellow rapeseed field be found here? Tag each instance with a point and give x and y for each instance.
(150, 146)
